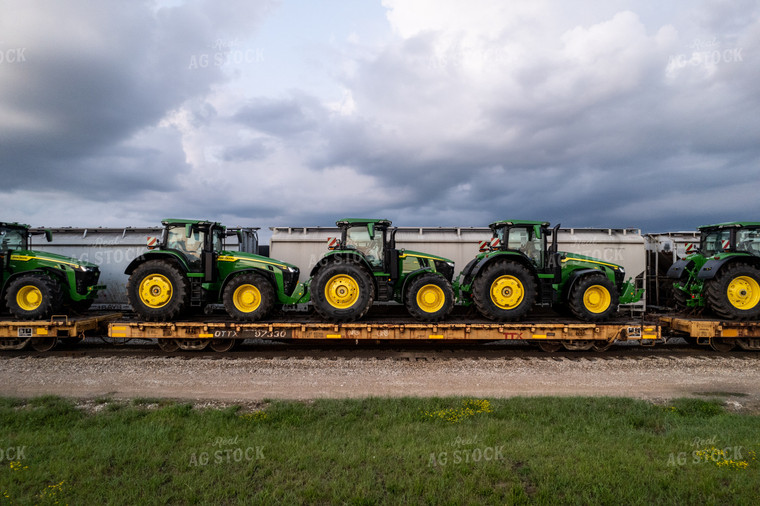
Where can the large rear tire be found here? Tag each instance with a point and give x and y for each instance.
(342, 291)
(248, 297)
(430, 298)
(158, 291)
(734, 293)
(593, 298)
(504, 291)
(34, 296)
(680, 298)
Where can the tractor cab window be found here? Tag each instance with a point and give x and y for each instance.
(12, 239)
(358, 238)
(191, 247)
(748, 241)
(715, 242)
(526, 242)
(217, 240)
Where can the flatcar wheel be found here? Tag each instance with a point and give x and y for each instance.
(193, 344)
(223, 345)
(722, 345)
(14, 343)
(582, 345)
(44, 343)
(550, 346)
(601, 345)
(168, 345)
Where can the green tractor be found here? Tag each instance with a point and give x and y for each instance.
(723, 274)
(189, 268)
(364, 266)
(37, 285)
(516, 270)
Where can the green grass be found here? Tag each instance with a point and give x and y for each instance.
(375, 451)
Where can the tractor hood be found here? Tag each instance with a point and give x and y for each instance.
(52, 259)
(410, 253)
(591, 261)
(252, 259)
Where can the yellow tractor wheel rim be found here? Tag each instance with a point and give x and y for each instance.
(29, 298)
(247, 298)
(743, 292)
(341, 291)
(430, 298)
(507, 292)
(597, 299)
(156, 290)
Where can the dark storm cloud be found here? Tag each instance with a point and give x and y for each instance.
(95, 75)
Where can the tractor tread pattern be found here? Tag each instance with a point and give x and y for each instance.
(265, 289)
(411, 297)
(482, 285)
(327, 271)
(717, 299)
(175, 307)
(575, 298)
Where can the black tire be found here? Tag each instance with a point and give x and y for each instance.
(680, 298)
(429, 298)
(355, 289)
(581, 302)
(248, 297)
(44, 296)
(720, 302)
(486, 281)
(176, 293)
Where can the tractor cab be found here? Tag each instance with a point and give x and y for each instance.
(528, 238)
(371, 238)
(730, 238)
(197, 242)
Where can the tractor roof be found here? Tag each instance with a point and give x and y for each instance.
(732, 224)
(172, 221)
(13, 224)
(363, 221)
(510, 223)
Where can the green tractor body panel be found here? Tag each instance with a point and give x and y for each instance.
(721, 245)
(78, 280)
(524, 242)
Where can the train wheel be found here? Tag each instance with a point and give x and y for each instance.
(601, 345)
(223, 345)
(168, 345)
(550, 346)
(44, 343)
(722, 345)
(578, 345)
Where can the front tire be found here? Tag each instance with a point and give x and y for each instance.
(34, 296)
(158, 291)
(430, 298)
(248, 297)
(342, 291)
(593, 298)
(734, 293)
(504, 291)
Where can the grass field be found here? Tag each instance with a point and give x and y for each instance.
(373, 451)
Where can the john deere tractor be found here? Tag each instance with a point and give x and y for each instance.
(364, 266)
(189, 268)
(723, 274)
(516, 270)
(36, 285)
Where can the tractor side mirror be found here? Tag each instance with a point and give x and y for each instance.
(188, 230)
(48, 235)
(371, 231)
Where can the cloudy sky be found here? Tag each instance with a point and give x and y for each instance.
(606, 113)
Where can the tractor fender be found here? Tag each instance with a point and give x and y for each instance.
(678, 269)
(339, 257)
(157, 255)
(496, 258)
(267, 274)
(713, 266)
(575, 276)
(408, 280)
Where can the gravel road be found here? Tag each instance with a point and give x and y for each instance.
(253, 379)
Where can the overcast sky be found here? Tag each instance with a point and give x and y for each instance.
(604, 113)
